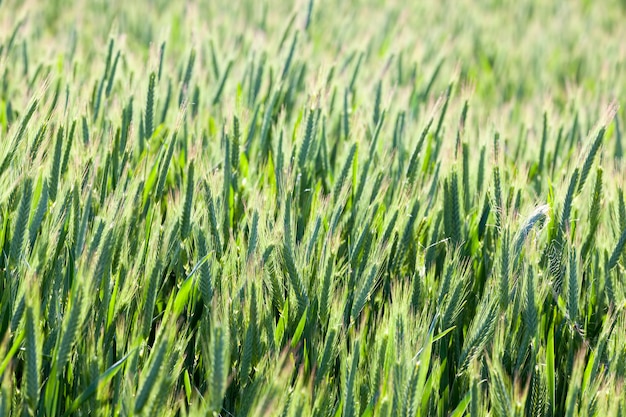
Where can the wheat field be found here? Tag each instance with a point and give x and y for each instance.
(313, 208)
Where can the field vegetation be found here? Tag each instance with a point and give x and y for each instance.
(318, 208)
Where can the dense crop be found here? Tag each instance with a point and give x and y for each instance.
(359, 208)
